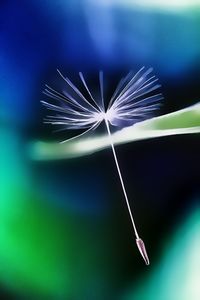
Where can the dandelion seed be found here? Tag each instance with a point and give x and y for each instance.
(134, 99)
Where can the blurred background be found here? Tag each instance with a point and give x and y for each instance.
(65, 232)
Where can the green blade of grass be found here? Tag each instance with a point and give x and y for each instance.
(185, 121)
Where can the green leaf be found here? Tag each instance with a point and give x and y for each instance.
(185, 121)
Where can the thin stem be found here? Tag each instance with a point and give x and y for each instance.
(121, 179)
(139, 242)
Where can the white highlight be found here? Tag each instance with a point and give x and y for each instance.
(176, 4)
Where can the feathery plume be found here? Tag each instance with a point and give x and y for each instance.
(134, 99)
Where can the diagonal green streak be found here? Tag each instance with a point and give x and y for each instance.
(185, 121)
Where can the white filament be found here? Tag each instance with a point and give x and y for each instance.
(121, 179)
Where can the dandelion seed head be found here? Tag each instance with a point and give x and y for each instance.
(134, 99)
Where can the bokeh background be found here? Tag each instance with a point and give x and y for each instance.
(64, 228)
